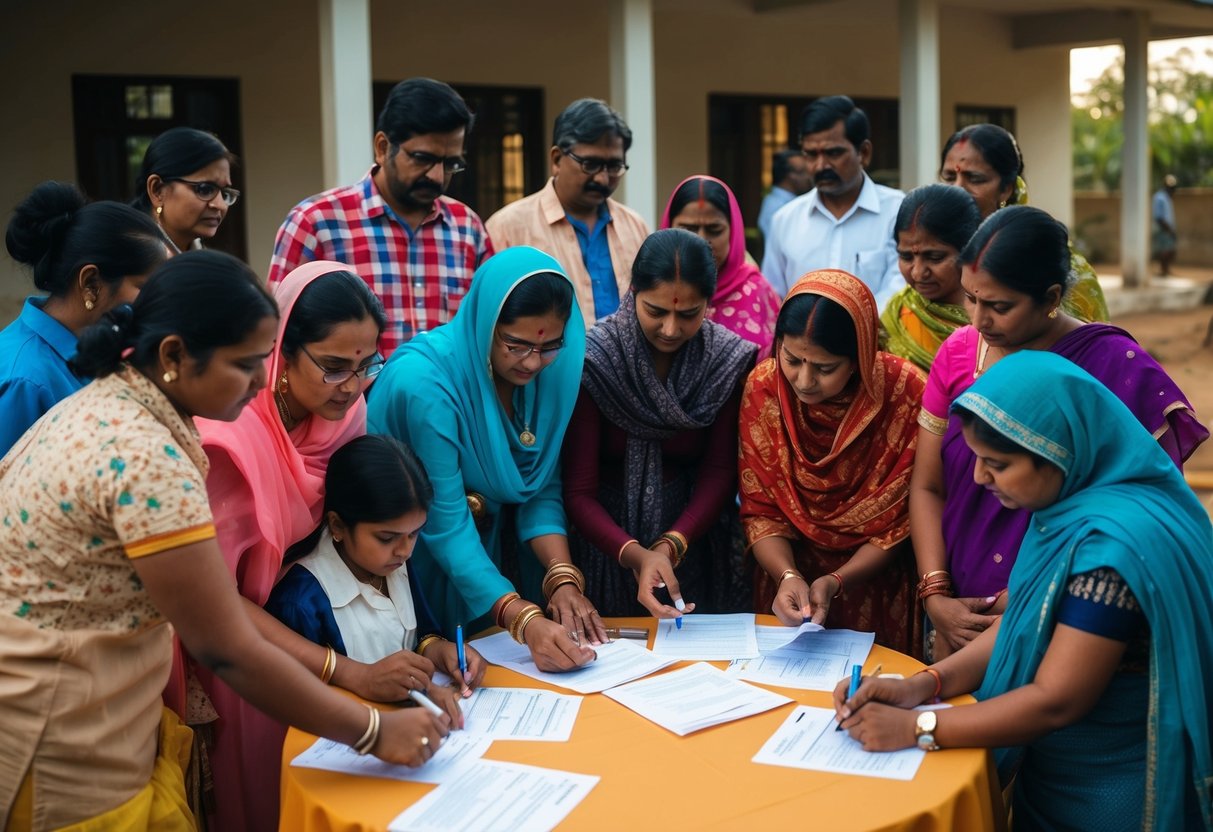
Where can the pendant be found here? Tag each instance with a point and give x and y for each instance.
(526, 438)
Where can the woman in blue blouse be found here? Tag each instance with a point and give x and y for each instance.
(89, 258)
(484, 401)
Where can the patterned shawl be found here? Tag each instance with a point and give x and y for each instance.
(620, 377)
(916, 327)
(837, 472)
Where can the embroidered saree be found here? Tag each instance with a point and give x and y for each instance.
(834, 476)
(1123, 506)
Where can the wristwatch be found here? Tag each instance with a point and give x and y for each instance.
(924, 730)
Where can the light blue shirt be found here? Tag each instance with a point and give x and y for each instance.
(772, 202)
(1164, 208)
(596, 255)
(805, 237)
(34, 377)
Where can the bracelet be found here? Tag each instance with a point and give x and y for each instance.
(330, 665)
(789, 573)
(619, 554)
(368, 740)
(938, 680)
(559, 574)
(519, 623)
(426, 642)
(505, 601)
(838, 578)
(936, 572)
(679, 542)
(935, 589)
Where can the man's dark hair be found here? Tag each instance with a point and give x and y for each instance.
(422, 105)
(586, 121)
(824, 113)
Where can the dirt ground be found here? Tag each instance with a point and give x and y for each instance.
(1176, 340)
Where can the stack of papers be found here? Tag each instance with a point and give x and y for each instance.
(618, 662)
(694, 698)
(807, 739)
(707, 638)
(812, 660)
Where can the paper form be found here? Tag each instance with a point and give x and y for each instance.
(457, 751)
(807, 740)
(520, 714)
(707, 637)
(694, 698)
(618, 662)
(811, 661)
(492, 796)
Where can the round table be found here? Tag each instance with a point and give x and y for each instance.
(654, 779)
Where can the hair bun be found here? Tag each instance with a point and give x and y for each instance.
(40, 221)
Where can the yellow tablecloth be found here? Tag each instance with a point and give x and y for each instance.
(654, 779)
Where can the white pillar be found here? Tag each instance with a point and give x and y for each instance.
(345, 90)
(919, 113)
(632, 94)
(1135, 157)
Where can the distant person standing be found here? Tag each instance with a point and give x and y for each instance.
(416, 248)
(790, 178)
(573, 217)
(1165, 236)
(846, 221)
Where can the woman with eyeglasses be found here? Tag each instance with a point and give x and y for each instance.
(185, 183)
(266, 486)
(650, 460)
(484, 401)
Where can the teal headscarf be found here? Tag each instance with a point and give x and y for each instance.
(1125, 506)
(436, 393)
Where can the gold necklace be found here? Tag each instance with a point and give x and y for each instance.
(526, 437)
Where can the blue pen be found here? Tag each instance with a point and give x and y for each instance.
(680, 606)
(463, 656)
(856, 680)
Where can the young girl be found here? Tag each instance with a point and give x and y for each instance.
(350, 590)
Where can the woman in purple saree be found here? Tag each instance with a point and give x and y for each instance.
(1014, 274)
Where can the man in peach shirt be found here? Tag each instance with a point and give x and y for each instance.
(574, 218)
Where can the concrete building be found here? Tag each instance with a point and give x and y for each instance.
(706, 85)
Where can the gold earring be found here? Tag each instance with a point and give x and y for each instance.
(283, 384)
(159, 211)
(88, 304)
(169, 376)
(1002, 204)
(1053, 314)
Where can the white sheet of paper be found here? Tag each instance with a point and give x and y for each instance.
(492, 796)
(694, 698)
(618, 662)
(807, 739)
(813, 660)
(707, 637)
(458, 750)
(520, 714)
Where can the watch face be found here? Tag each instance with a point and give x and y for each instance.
(926, 722)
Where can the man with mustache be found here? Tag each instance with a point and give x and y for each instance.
(846, 221)
(574, 218)
(415, 247)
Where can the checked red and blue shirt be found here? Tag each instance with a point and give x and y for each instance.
(421, 276)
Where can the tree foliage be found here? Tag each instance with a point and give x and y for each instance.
(1180, 125)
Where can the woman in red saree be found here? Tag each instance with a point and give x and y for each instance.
(828, 431)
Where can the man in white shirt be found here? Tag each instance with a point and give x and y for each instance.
(846, 221)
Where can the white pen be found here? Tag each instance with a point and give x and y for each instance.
(425, 702)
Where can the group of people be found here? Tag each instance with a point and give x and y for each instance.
(911, 421)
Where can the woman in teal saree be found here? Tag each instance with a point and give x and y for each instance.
(1095, 686)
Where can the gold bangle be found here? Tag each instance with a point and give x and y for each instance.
(368, 740)
(520, 622)
(330, 665)
(536, 613)
(426, 642)
(560, 573)
(550, 590)
(505, 601)
(619, 554)
(678, 542)
(936, 572)
(788, 573)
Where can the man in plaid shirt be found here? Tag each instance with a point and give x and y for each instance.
(416, 248)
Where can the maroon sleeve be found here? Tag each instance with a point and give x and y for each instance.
(582, 446)
(716, 480)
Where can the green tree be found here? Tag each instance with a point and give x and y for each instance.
(1180, 125)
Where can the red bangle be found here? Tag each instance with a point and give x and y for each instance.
(838, 578)
(938, 681)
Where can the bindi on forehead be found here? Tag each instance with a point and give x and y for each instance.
(541, 333)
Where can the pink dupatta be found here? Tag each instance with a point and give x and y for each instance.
(744, 301)
(266, 489)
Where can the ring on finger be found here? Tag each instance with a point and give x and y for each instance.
(425, 741)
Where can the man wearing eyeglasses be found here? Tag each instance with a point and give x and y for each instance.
(846, 221)
(414, 246)
(574, 218)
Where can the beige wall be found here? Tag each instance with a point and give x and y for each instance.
(1097, 226)
(272, 47)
